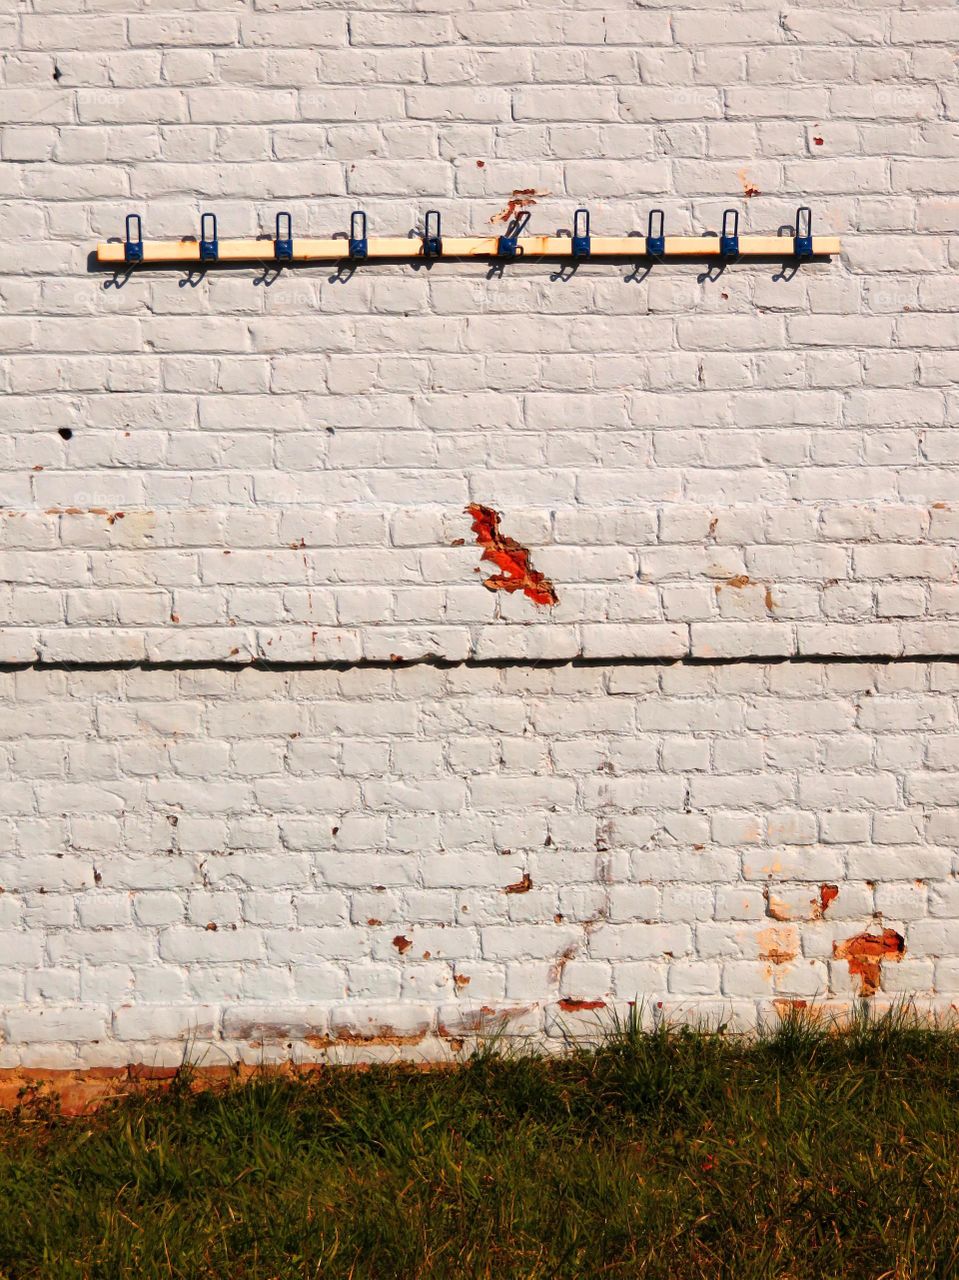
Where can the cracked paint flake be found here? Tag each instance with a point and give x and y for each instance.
(865, 952)
(827, 893)
(522, 198)
(778, 946)
(516, 573)
(474, 1021)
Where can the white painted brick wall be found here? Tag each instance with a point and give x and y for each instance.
(253, 860)
(724, 469)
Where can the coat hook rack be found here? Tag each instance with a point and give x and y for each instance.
(656, 246)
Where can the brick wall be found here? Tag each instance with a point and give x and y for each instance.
(234, 505)
(315, 855)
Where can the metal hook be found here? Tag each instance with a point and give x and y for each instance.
(581, 236)
(358, 246)
(133, 246)
(283, 244)
(209, 244)
(506, 246)
(432, 235)
(729, 240)
(802, 242)
(656, 234)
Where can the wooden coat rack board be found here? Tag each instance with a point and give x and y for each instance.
(432, 244)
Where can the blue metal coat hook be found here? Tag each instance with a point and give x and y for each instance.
(729, 240)
(432, 235)
(209, 245)
(656, 234)
(506, 246)
(581, 233)
(358, 248)
(133, 245)
(283, 243)
(802, 242)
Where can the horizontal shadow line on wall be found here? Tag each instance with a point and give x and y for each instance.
(386, 664)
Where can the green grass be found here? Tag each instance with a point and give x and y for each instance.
(677, 1154)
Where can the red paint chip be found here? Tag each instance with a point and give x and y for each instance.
(516, 573)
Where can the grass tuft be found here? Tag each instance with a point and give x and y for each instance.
(809, 1150)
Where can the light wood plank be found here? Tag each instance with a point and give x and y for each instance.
(306, 250)
(469, 246)
(394, 247)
